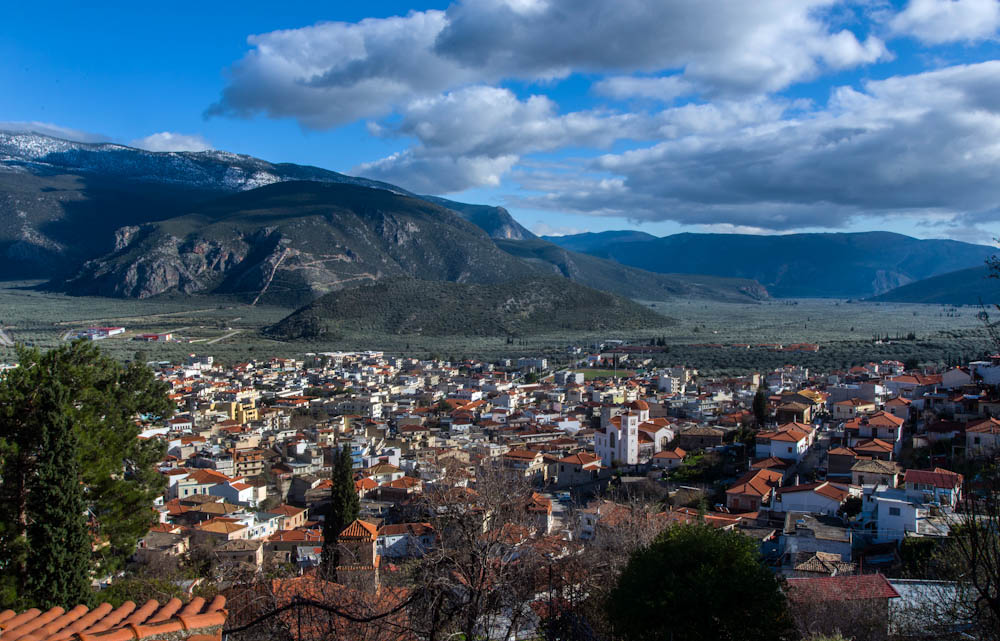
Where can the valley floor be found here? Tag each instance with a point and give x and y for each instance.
(704, 337)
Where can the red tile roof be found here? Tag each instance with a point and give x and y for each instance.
(841, 588)
(124, 623)
(938, 477)
(360, 530)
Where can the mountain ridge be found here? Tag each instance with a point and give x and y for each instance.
(830, 265)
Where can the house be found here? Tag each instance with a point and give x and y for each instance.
(856, 606)
(956, 377)
(669, 459)
(875, 472)
(405, 540)
(899, 407)
(291, 517)
(241, 551)
(753, 491)
(938, 486)
(282, 544)
(524, 464)
(789, 441)
(874, 448)
(880, 425)
(804, 535)
(793, 412)
(982, 438)
(700, 438)
(812, 498)
(851, 408)
(839, 461)
(578, 469)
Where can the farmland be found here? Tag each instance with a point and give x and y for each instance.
(702, 333)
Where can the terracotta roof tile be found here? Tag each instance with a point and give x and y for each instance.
(840, 588)
(124, 623)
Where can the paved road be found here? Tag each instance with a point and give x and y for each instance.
(5, 340)
(222, 338)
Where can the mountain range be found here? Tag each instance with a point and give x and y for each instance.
(972, 286)
(105, 219)
(830, 265)
(111, 220)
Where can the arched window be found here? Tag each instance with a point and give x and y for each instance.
(612, 440)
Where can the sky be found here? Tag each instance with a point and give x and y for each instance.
(770, 116)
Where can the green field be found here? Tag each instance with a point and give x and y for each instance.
(230, 331)
(590, 374)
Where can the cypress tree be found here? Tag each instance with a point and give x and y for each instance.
(344, 508)
(760, 406)
(58, 567)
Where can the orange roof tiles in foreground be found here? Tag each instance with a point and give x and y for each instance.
(195, 621)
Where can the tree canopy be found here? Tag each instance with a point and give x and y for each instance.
(697, 582)
(94, 401)
(343, 508)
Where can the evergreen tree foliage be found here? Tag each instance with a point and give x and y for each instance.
(59, 566)
(343, 509)
(760, 406)
(713, 579)
(98, 399)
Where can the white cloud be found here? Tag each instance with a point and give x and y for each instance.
(544, 229)
(169, 141)
(926, 144)
(666, 88)
(471, 137)
(334, 73)
(56, 131)
(941, 21)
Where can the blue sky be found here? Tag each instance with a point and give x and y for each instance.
(583, 115)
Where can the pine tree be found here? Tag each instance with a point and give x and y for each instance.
(59, 565)
(343, 509)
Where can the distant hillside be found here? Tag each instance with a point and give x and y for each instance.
(963, 287)
(591, 242)
(629, 281)
(521, 307)
(293, 241)
(61, 202)
(495, 221)
(848, 265)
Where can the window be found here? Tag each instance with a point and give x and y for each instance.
(789, 448)
(893, 511)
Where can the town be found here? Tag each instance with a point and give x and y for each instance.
(838, 476)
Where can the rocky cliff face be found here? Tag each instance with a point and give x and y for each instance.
(148, 263)
(289, 243)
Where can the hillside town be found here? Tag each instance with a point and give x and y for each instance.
(834, 474)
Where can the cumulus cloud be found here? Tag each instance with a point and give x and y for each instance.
(942, 21)
(334, 73)
(472, 136)
(50, 129)
(169, 141)
(542, 228)
(922, 144)
(665, 88)
(424, 171)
